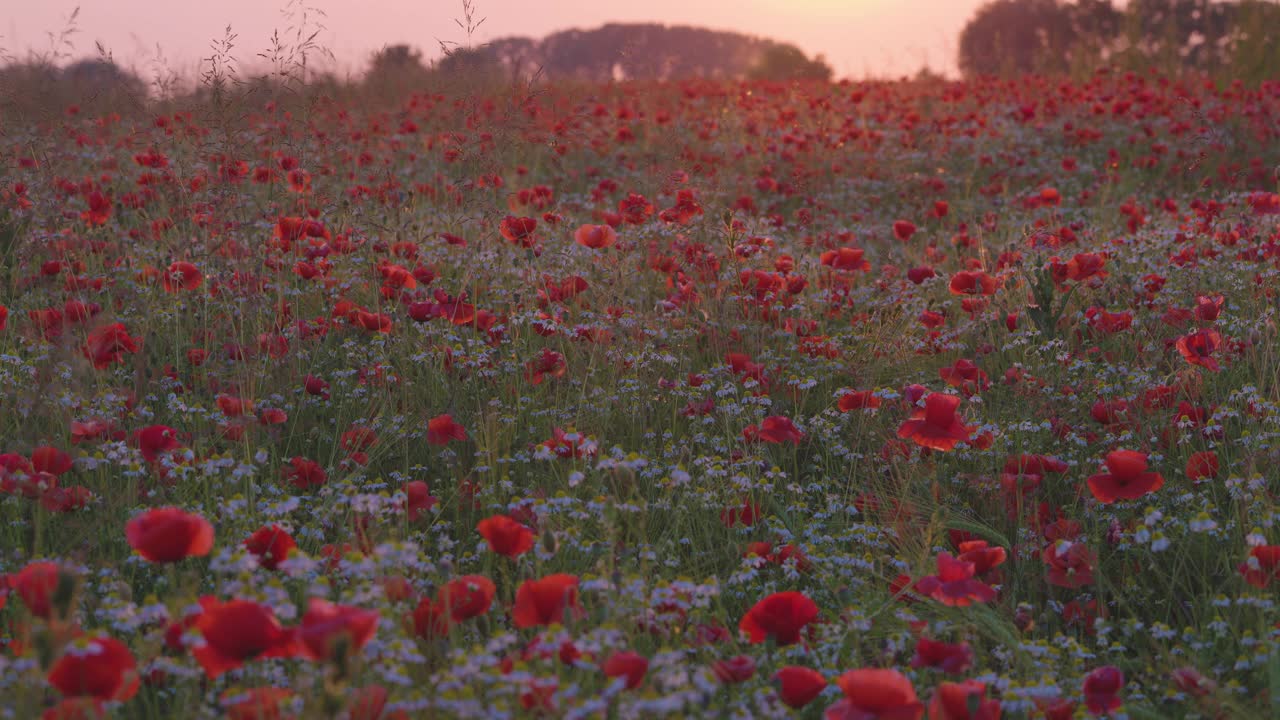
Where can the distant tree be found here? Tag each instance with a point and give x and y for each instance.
(788, 62)
(396, 68)
(468, 60)
(1184, 33)
(396, 58)
(633, 51)
(30, 87)
(1253, 44)
(101, 76)
(1239, 39)
(1017, 36)
(518, 56)
(37, 87)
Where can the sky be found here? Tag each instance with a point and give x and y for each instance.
(858, 37)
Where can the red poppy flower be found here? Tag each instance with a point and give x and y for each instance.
(874, 694)
(182, 275)
(569, 444)
(736, 669)
(595, 237)
(372, 322)
(368, 703)
(549, 363)
(66, 499)
(1128, 479)
(983, 556)
(798, 686)
(316, 386)
(232, 406)
(327, 629)
(1070, 564)
(1202, 466)
(467, 597)
(1190, 681)
(99, 208)
(1034, 465)
(635, 209)
(779, 429)
(918, 275)
(36, 584)
(506, 536)
(546, 601)
(418, 499)
(271, 544)
(973, 282)
(955, 584)
(50, 460)
(165, 535)
(845, 258)
(963, 701)
(1086, 266)
(1264, 203)
(539, 697)
(109, 344)
(237, 631)
(747, 513)
(156, 440)
(933, 320)
(430, 619)
(903, 230)
(441, 429)
(936, 425)
(303, 473)
(518, 230)
(685, 209)
(1209, 307)
(780, 616)
(1109, 412)
(1197, 348)
(1263, 565)
(966, 376)
(1102, 689)
(627, 664)
(100, 667)
(858, 399)
(358, 439)
(954, 658)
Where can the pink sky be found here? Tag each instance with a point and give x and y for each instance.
(858, 36)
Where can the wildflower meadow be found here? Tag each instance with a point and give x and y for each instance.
(946, 399)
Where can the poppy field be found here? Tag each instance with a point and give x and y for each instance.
(863, 400)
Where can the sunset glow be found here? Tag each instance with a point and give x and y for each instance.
(643, 359)
(858, 37)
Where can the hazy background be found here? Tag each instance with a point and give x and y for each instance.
(858, 37)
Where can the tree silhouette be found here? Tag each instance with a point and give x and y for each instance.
(396, 67)
(1017, 36)
(94, 85)
(1011, 36)
(1190, 32)
(650, 51)
(788, 62)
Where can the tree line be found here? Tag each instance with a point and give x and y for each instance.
(1236, 40)
(624, 51)
(616, 51)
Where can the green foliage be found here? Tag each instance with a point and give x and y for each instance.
(1231, 40)
(788, 62)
